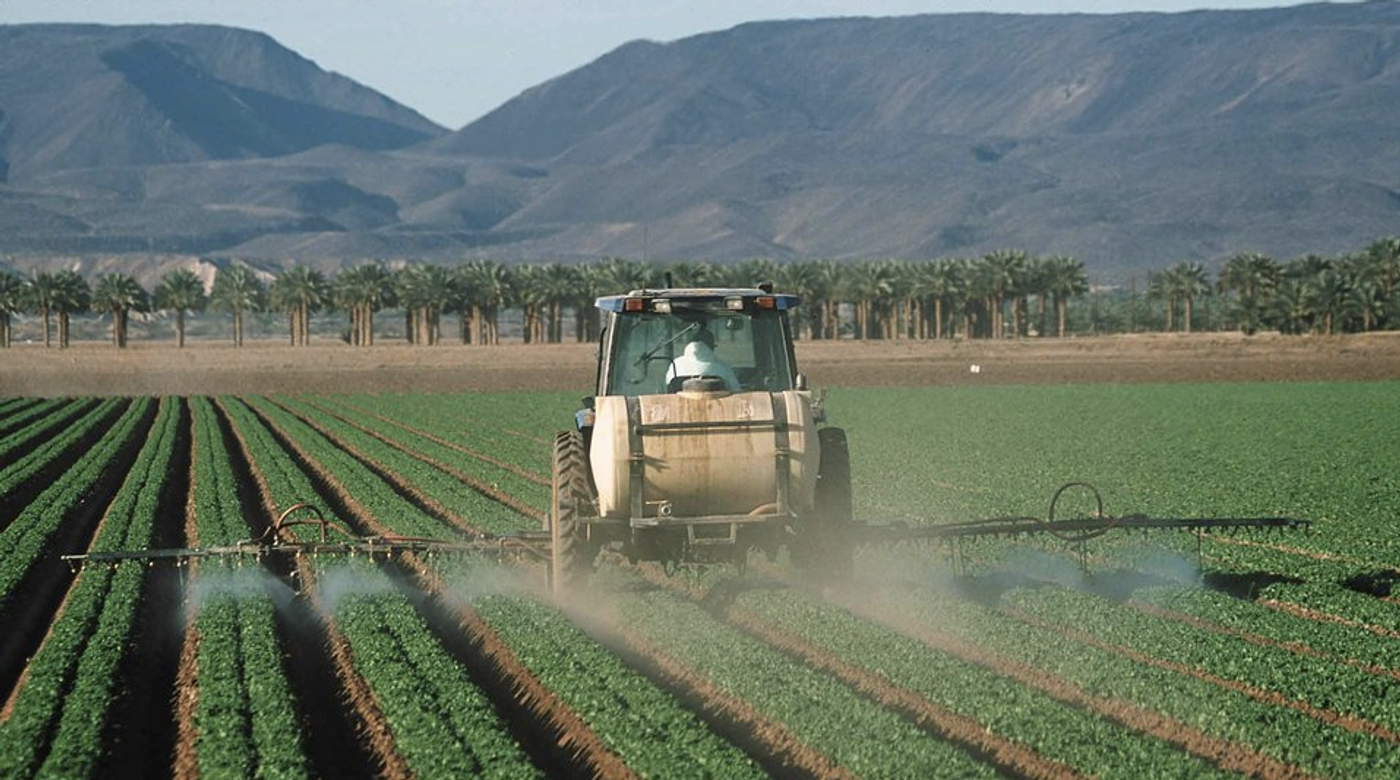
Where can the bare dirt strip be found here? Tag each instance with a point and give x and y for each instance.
(185, 761)
(260, 368)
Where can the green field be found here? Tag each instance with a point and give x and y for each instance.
(1165, 655)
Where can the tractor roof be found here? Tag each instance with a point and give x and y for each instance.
(748, 296)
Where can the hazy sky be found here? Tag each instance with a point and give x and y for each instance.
(455, 60)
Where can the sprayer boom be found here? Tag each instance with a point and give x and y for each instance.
(1076, 530)
(276, 541)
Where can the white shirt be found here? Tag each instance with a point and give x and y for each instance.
(699, 360)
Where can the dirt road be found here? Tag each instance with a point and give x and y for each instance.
(161, 369)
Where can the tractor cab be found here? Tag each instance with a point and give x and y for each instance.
(654, 340)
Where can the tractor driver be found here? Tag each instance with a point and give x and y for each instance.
(698, 359)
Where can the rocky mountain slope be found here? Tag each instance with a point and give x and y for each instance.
(1125, 140)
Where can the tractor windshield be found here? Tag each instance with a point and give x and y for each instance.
(649, 349)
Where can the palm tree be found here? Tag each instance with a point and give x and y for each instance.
(486, 287)
(1002, 276)
(12, 295)
(180, 290)
(237, 290)
(829, 283)
(974, 297)
(1162, 286)
(434, 300)
(424, 291)
(1363, 304)
(1065, 279)
(561, 283)
(71, 294)
(869, 286)
(1327, 293)
(1383, 257)
(1254, 277)
(526, 292)
(299, 292)
(800, 278)
(619, 276)
(40, 291)
(119, 294)
(362, 291)
(748, 273)
(1191, 283)
(1290, 308)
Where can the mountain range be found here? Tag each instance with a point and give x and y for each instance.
(1125, 140)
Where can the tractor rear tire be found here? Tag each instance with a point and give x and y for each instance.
(571, 495)
(834, 516)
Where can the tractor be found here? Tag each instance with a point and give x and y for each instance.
(702, 442)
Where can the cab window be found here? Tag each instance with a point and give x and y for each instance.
(645, 343)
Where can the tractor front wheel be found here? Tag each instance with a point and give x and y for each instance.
(571, 496)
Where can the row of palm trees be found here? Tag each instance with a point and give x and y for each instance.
(1349, 293)
(999, 295)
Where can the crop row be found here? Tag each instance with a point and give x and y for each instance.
(631, 717)
(636, 720)
(1283, 733)
(442, 724)
(55, 728)
(35, 446)
(1320, 683)
(1313, 450)
(26, 421)
(471, 505)
(484, 469)
(244, 717)
(1053, 729)
(1291, 630)
(497, 424)
(28, 537)
(855, 733)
